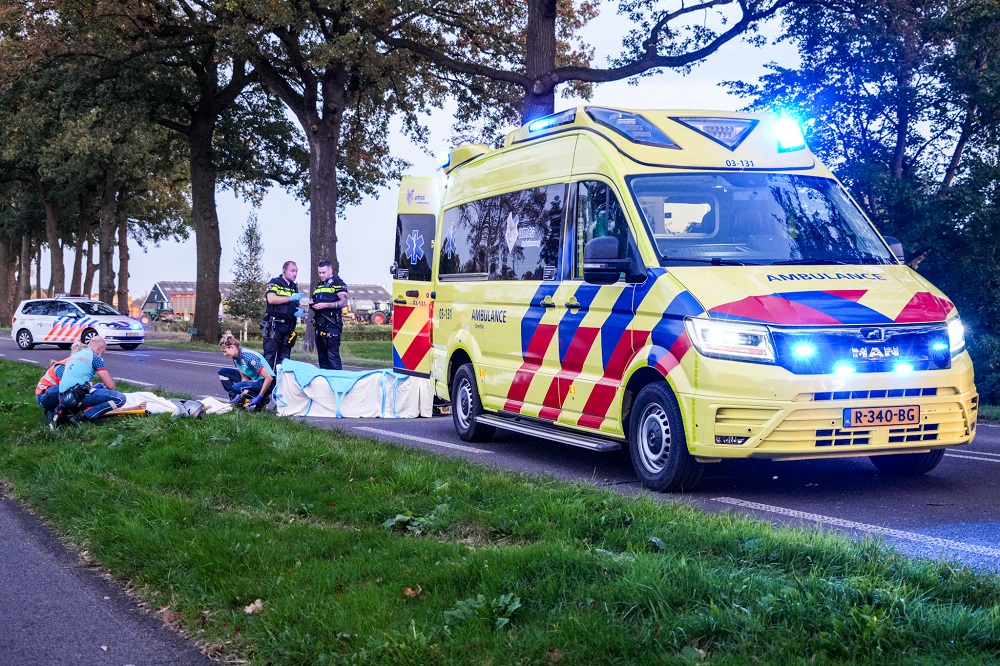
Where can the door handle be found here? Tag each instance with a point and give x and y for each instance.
(548, 303)
(399, 301)
(573, 305)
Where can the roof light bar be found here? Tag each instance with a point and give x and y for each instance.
(789, 135)
(632, 126)
(727, 132)
(567, 117)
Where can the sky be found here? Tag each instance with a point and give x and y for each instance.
(366, 231)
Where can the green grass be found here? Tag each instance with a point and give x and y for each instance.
(329, 531)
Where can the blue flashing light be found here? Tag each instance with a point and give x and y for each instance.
(844, 369)
(555, 120)
(804, 350)
(903, 367)
(939, 346)
(789, 135)
(135, 326)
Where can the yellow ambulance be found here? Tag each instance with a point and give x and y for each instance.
(693, 285)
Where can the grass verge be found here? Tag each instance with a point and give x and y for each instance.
(366, 553)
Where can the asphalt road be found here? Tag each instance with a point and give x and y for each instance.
(951, 512)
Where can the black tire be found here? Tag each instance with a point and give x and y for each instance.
(379, 318)
(466, 407)
(908, 464)
(24, 339)
(130, 346)
(64, 345)
(658, 444)
(87, 336)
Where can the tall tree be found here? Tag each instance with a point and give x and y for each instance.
(250, 281)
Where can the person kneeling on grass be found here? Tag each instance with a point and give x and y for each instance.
(251, 380)
(47, 390)
(78, 400)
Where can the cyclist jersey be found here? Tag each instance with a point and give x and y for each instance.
(250, 363)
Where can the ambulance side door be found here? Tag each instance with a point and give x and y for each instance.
(596, 338)
(412, 304)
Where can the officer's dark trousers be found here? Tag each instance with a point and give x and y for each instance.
(275, 352)
(234, 384)
(328, 348)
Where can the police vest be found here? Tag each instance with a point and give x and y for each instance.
(279, 287)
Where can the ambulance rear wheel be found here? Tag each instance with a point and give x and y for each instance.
(658, 444)
(24, 339)
(908, 464)
(466, 407)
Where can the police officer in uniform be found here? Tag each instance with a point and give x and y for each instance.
(328, 298)
(280, 317)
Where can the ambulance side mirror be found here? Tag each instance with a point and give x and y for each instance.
(897, 248)
(601, 263)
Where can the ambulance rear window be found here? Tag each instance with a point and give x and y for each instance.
(754, 219)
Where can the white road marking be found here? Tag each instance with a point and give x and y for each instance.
(862, 527)
(955, 455)
(125, 353)
(183, 360)
(28, 360)
(434, 442)
(135, 381)
(972, 452)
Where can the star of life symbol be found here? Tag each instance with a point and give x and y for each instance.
(414, 247)
(511, 235)
(450, 244)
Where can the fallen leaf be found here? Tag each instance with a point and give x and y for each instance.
(413, 593)
(104, 647)
(554, 655)
(256, 607)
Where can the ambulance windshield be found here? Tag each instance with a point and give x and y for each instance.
(754, 219)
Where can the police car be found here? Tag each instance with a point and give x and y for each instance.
(63, 320)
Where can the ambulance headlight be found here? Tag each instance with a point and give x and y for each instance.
(956, 335)
(789, 135)
(731, 340)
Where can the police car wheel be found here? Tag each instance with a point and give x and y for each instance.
(908, 464)
(466, 407)
(130, 346)
(24, 339)
(658, 444)
(88, 335)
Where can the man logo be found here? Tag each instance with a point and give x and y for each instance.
(873, 334)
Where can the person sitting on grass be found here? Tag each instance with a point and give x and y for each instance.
(250, 383)
(78, 400)
(47, 390)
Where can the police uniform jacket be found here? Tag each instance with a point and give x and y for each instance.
(279, 287)
(327, 292)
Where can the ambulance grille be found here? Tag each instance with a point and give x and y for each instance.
(939, 422)
(881, 393)
(740, 417)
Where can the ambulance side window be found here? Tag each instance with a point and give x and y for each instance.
(599, 214)
(525, 233)
(463, 243)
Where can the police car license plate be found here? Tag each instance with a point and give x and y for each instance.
(867, 417)
(133, 334)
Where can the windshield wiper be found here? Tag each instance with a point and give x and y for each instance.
(811, 262)
(714, 261)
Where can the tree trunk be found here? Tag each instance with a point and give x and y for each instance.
(76, 284)
(38, 270)
(24, 273)
(540, 60)
(92, 267)
(7, 289)
(963, 141)
(106, 240)
(122, 301)
(206, 228)
(58, 270)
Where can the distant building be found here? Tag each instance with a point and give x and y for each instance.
(368, 292)
(178, 297)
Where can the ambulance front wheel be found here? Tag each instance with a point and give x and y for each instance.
(466, 407)
(908, 464)
(658, 443)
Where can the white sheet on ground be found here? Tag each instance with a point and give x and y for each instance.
(159, 405)
(305, 390)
